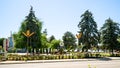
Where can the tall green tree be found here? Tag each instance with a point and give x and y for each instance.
(18, 41)
(55, 44)
(34, 25)
(51, 38)
(109, 34)
(88, 28)
(45, 32)
(69, 40)
(44, 41)
(50, 45)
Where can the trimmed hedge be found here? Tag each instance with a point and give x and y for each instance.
(17, 57)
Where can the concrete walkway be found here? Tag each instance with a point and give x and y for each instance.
(61, 60)
(80, 64)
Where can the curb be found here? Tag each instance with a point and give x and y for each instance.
(45, 61)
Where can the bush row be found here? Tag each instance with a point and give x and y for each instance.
(40, 57)
(1, 57)
(54, 57)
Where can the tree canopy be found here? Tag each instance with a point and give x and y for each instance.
(88, 28)
(109, 34)
(51, 38)
(34, 25)
(69, 40)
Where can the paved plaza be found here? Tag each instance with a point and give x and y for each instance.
(76, 64)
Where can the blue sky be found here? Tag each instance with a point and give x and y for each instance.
(58, 16)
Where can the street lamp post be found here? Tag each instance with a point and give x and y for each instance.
(61, 46)
(78, 37)
(28, 35)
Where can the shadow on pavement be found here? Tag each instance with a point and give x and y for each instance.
(103, 59)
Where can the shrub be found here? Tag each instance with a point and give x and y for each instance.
(75, 57)
(65, 56)
(1, 57)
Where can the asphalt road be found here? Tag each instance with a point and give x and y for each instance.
(79, 64)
